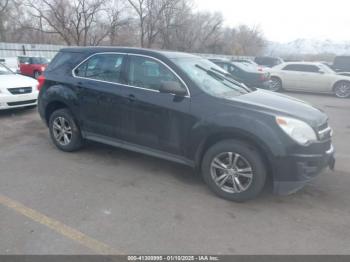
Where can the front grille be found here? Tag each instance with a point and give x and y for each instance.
(22, 103)
(324, 132)
(20, 90)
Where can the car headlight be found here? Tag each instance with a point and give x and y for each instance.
(298, 130)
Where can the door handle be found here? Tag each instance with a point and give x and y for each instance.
(131, 98)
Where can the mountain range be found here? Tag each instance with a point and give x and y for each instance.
(308, 46)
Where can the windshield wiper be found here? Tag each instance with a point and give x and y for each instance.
(221, 77)
(231, 79)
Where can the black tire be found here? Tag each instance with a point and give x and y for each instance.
(275, 85)
(75, 138)
(342, 89)
(250, 155)
(36, 74)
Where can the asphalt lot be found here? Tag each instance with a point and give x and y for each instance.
(102, 200)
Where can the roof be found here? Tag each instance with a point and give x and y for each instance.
(143, 51)
(301, 63)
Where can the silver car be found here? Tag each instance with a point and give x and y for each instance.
(309, 77)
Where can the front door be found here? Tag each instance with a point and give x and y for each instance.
(156, 120)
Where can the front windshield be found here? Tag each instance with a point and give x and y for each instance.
(210, 77)
(4, 70)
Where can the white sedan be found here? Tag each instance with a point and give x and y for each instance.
(16, 90)
(309, 77)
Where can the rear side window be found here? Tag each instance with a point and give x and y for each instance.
(59, 60)
(148, 73)
(105, 67)
(302, 68)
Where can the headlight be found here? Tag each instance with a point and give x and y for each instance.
(298, 130)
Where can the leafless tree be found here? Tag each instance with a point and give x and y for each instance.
(248, 40)
(165, 24)
(4, 5)
(73, 20)
(150, 15)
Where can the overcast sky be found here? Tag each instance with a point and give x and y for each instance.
(287, 20)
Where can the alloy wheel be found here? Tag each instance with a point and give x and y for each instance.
(62, 131)
(342, 90)
(231, 172)
(275, 85)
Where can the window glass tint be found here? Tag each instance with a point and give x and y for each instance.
(60, 59)
(302, 68)
(39, 60)
(105, 67)
(148, 73)
(23, 59)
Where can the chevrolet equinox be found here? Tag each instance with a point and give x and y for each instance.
(185, 109)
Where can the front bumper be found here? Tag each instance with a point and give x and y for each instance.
(8, 101)
(299, 169)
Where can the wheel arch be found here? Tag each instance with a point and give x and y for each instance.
(338, 82)
(277, 77)
(52, 106)
(248, 138)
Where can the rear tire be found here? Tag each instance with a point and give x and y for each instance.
(65, 132)
(342, 89)
(275, 85)
(234, 170)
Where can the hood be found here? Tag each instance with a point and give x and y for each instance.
(14, 80)
(278, 104)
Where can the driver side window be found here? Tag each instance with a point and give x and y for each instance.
(148, 73)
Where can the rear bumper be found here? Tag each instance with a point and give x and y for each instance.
(264, 85)
(299, 169)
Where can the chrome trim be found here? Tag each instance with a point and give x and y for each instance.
(126, 85)
(325, 130)
(330, 151)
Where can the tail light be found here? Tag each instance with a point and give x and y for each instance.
(41, 82)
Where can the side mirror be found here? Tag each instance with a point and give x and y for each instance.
(321, 72)
(172, 87)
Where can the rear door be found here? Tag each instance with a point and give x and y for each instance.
(159, 121)
(290, 77)
(100, 83)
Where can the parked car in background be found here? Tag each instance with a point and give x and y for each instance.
(185, 109)
(16, 90)
(32, 66)
(309, 77)
(247, 74)
(341, 64)
(249, 63)
(268, 61)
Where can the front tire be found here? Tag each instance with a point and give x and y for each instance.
(36, 74)
(234, 170)
(342, 89)
(275, 85)
(64, 131)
